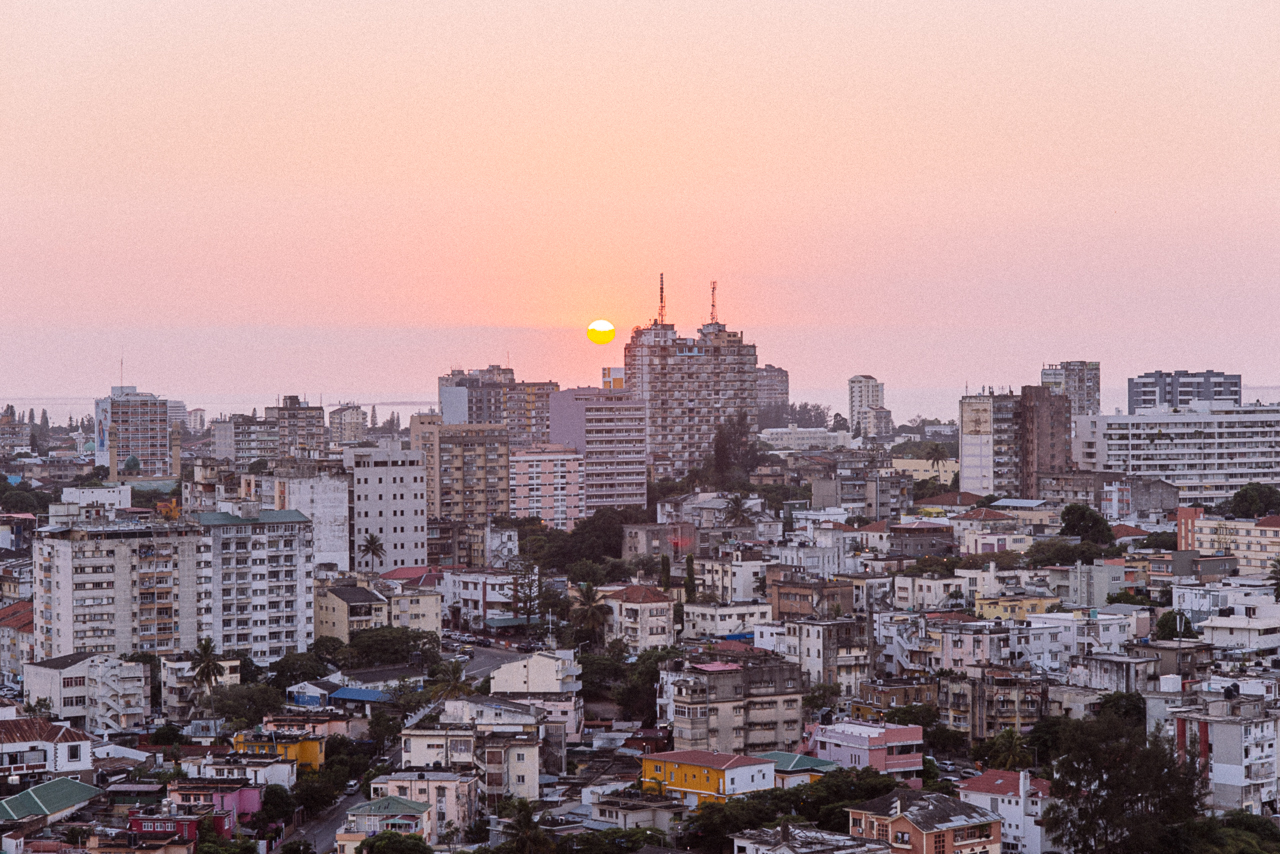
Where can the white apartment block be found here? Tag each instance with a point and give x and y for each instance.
(1255, 628)
(117, 587)
(548, 481)
(608, 428)
(866, 406)
(180, 696)
(1208, 449)
(91, 691)
(388, 500)
(321, 496)
(732, 577)
(554, 672)
(472, 596)
(1019, 799)
(689, 386)
(1237, 737)
(719, 620)
(348, 423)
(139, 425)
(258, 569)
(1201, 601)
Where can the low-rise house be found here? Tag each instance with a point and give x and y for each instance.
(179, 694)
(874, 698)
(1012, 606)
(234, 795)
(50, 801)
(803, 840)
(795, 769)
(1251, 628)
(185, 821)
(320, 722)
(891, 749)
(399, 815)
(342, 610)
(698, 776)
(252, 769)
(641, 616)
(927, 592)
(1109, 672)
(794, 594)
(1020, 800)
(91, 690)
(37, 749)
(125, 842)
(453, 799)
(302, 747)
(719, 620)
(628, 809)
(927, 823)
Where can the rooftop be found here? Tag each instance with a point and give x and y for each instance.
(708, 759)
(639, 594)
(1003, 783)
(929, 811)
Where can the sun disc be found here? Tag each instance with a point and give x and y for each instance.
(600, 331)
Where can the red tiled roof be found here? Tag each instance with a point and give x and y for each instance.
(19, 616)
(1002, 783)
(709, 759)
(19, 730)
(422, 576)
(1268, 522)
(639, 594)
(881, 527)
(983, 514)
(951, 499)
(1122, 531)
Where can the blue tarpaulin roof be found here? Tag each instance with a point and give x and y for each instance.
(361, 695)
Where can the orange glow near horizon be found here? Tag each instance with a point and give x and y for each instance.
(930, 193)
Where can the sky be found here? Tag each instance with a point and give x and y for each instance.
(242, 200)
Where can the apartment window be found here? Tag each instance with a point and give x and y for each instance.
(73, 753)
(519, 778)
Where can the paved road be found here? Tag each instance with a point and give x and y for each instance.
(486, 658)
(321, 830)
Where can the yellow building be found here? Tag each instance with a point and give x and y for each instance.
(1012, 607)
(696, 776)
(303, 748)
(943, 470)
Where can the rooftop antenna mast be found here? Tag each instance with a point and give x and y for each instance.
(662, 301)
(713, 303)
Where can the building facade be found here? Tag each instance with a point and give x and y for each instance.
(136, 425)
(607, 427)
(299, 428)
(468, 468)
(773, 387)
(1175, 389)
(548, 481)
(1079, 382)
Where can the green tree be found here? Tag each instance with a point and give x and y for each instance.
(591, 614)
(664, 572)
(821, 696)
(451, 681)
(315, 792)
(328, 649)
(1252, 501)
(277, 805)
(372, 547)
(1274, 577)
(168, 734)
(382, 729)
(839, 424)
(153, 663)
(296, 667)
(296, 846)
(524, 836)
(936, 455)
(1118, 788)
(1008, 751)
(247, 703)
(206, 667)
(1127, 707)
(384, 645)
(1173, 625)
(736, 514)
(390, 842)
(1165, 541)
(690, 580)
(1081, 520)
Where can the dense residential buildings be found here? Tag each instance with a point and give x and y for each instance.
(548, 481)
(299, 427)
(893, 749)
(773, 387)
(245, 439)
(689, 386)
(1176, 389)
(492, 396)
(737, 704)
(607, 427)
(86, 576)
(256, 574)
(134, 425)
(1007, 440)
(348, 423)
(341, 610)
(468, 468)
(1234, 738)
(180, 696)
(1080, 382)
(1254, 542)
(1207, 449)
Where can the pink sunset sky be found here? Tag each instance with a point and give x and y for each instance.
(249, 199)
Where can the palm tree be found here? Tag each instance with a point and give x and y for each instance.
(936, 455)
(1274, 577)
(452, 682)
(591, 615)
(1009, 751)
(206, 669)
(373, 548)
(736, 513)
(524, 836)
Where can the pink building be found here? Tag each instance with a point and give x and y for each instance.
(889, 748)
(547, 482)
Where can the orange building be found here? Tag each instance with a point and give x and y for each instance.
(696, 776)
(926, 823)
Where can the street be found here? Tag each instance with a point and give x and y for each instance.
(485, 659)
(320, 831)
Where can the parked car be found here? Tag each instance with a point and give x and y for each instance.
(947, 766)
(524, 647)
(950, 779)
(970, 772)
(486, 642)
(353, 786)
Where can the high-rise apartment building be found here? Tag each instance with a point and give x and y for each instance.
(468, 468)
(613, 378)
(348, 423)
(1179, 388)
(608, 428)
(117, 587)
(866, 407)
(137, 424)
(322, 496)
(548, 481)
(390, 489)
(1007, 439)
(256, 573)
(773, 386)
(177, 412)
(1081, 383)
(300, 427)
(492, 396)
(689, 386)
(245, 438)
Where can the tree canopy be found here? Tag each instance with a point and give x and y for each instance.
(1167, 626)
(1252, 501)
(1081, 520)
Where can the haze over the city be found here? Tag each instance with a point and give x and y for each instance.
(243, 201)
